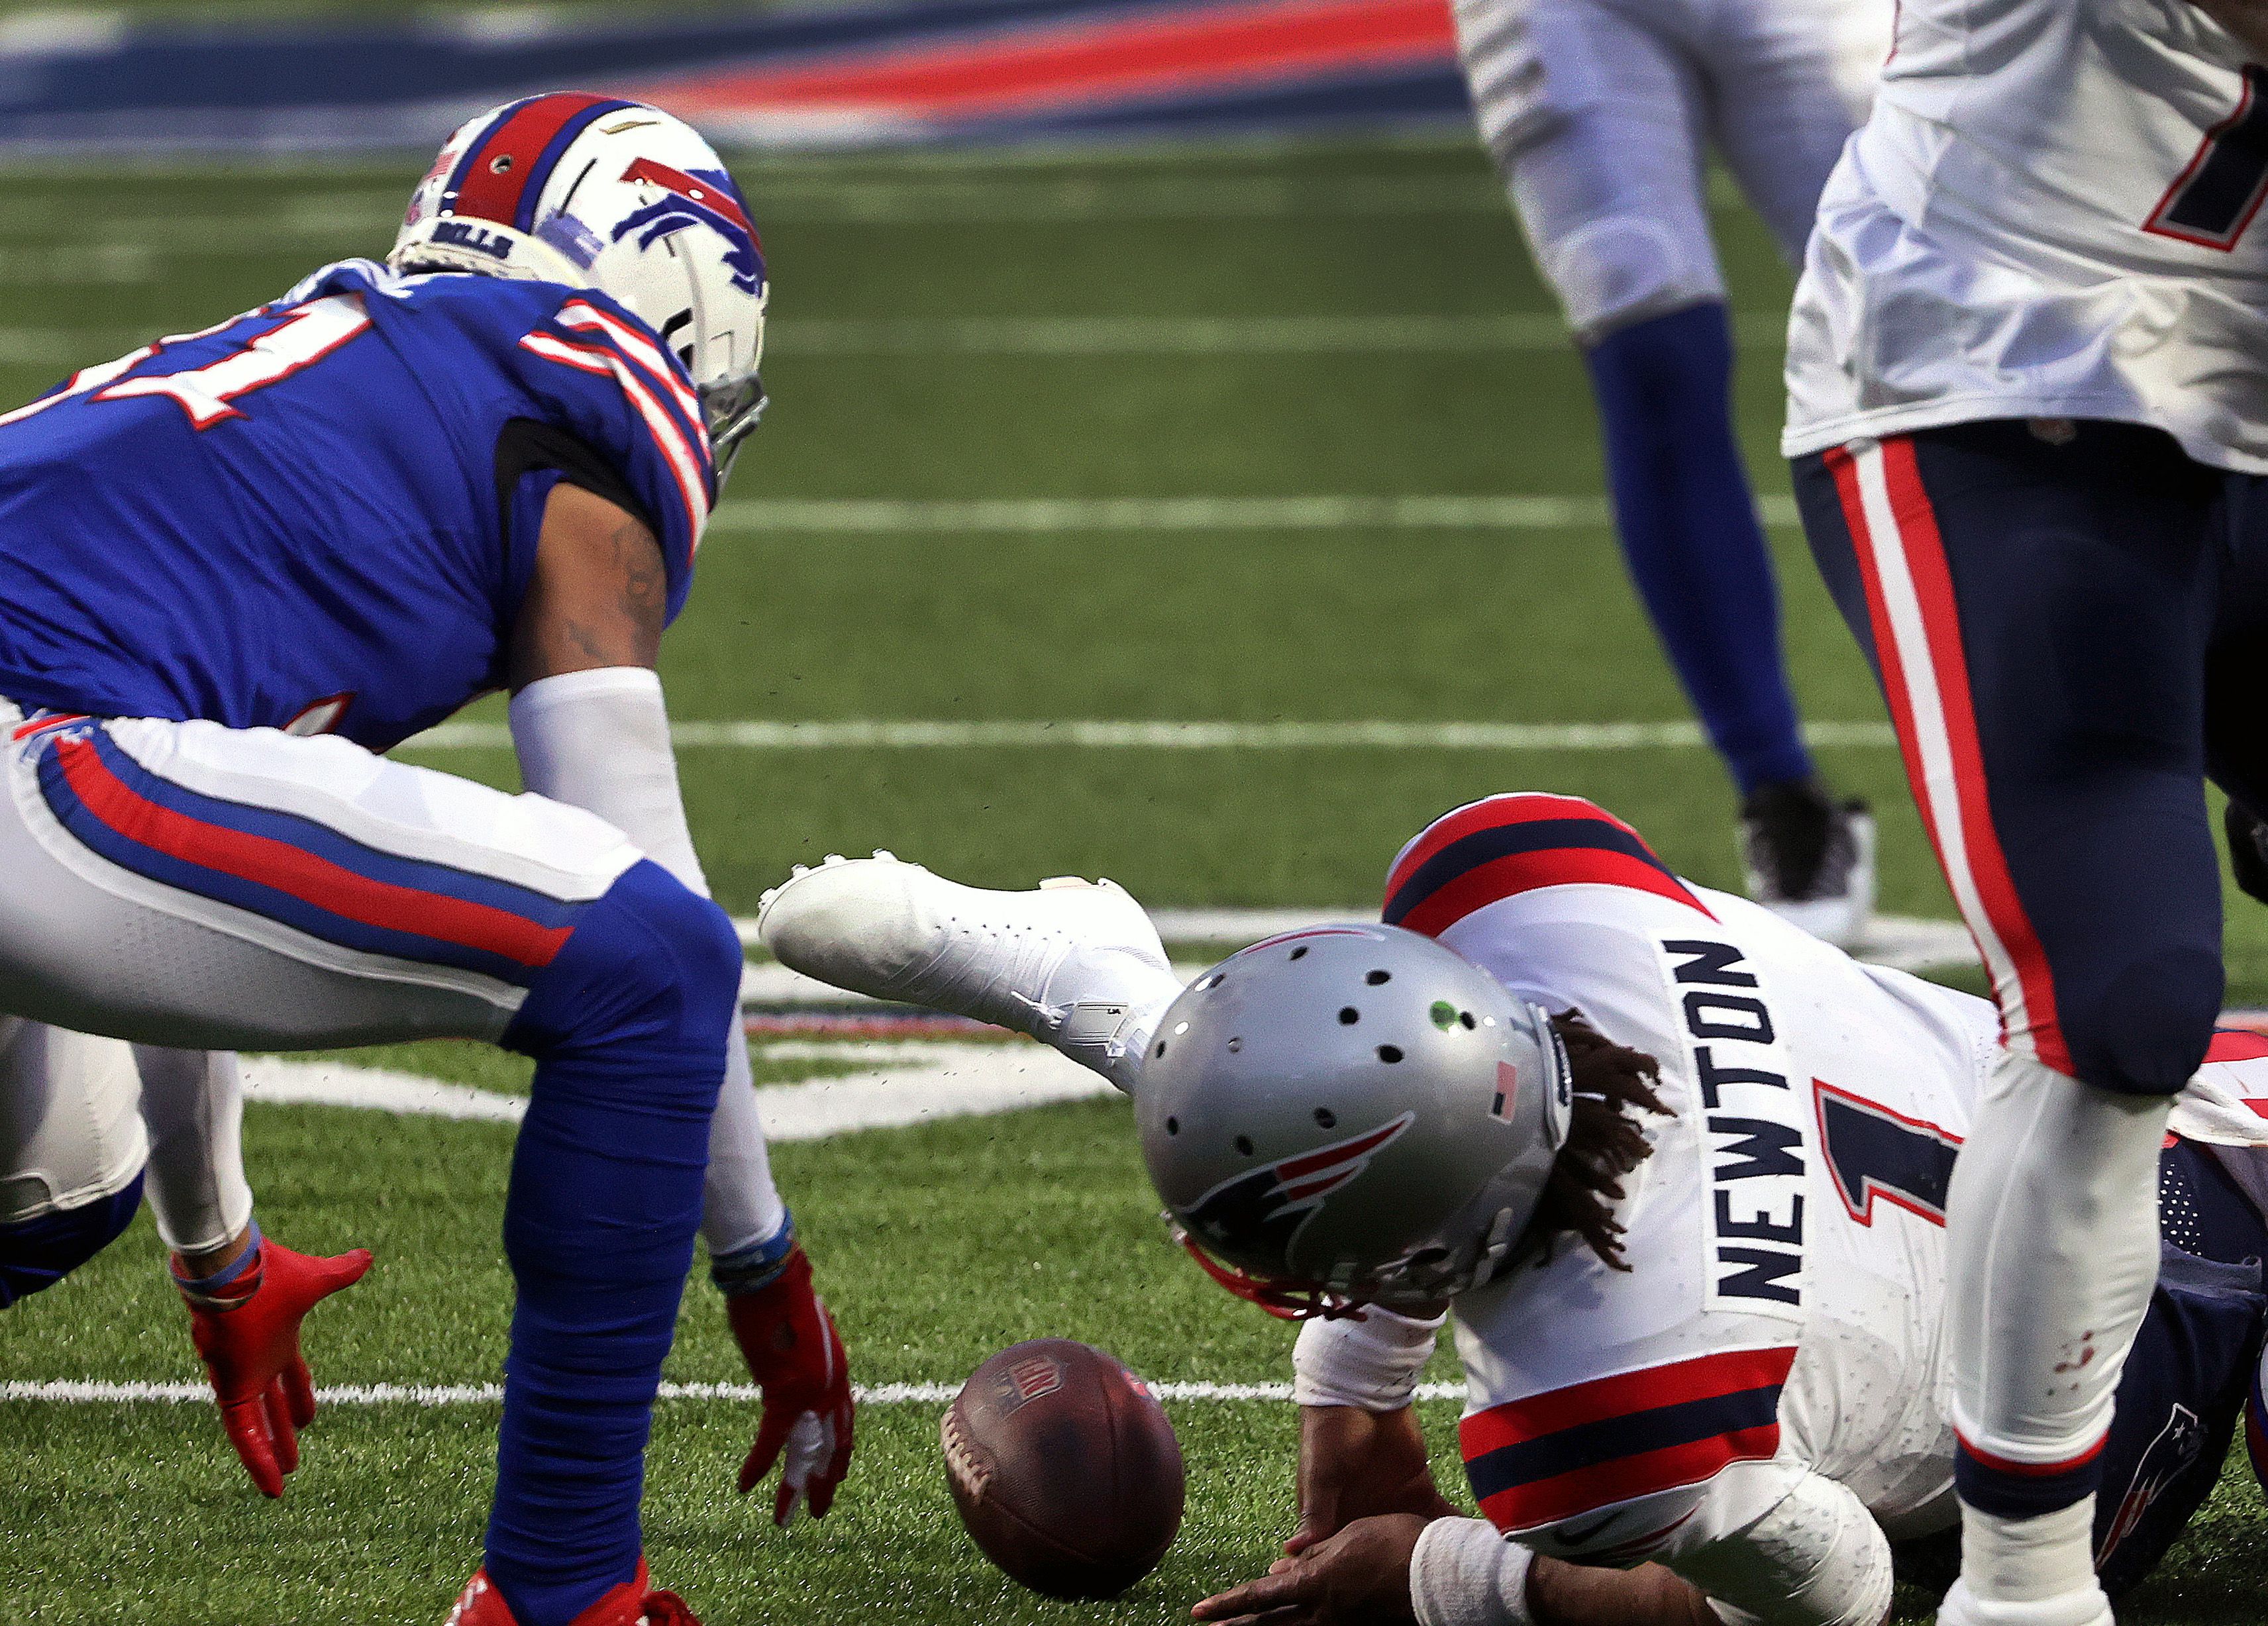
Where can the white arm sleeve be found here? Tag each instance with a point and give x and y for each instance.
(1464, 1573)
(600, 740)
(1817, 1559)
(1371, 1364)
(193, 1105)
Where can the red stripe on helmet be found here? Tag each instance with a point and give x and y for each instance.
(707, 193)
(517, 141)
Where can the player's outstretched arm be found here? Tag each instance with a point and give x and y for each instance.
(591, 730)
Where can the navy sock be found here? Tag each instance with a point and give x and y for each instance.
(628, 1026)
(1689, 533)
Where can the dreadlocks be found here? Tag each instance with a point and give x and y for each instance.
(1604, 1142)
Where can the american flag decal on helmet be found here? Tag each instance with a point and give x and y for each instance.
(1264, 1209)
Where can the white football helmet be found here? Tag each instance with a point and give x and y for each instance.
(596, 192)
(1351, 1114)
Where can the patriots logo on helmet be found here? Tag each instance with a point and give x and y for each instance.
(1260, 1213)
(696, 199)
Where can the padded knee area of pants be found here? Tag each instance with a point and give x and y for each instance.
(653, 970)
(39, 1252)
(1619, 269)
(2144, 1031)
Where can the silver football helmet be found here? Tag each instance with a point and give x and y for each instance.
(1351, 1114)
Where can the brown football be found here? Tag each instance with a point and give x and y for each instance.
(1064, 1468)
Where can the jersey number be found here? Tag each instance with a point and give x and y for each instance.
(296, 342)
(2213, 199)
(1875, 1153)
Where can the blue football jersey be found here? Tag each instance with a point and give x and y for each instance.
(324, 512)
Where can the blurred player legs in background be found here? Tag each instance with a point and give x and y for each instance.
(1599, 116)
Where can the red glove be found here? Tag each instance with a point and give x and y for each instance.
(797, 1358)
(251, 1351)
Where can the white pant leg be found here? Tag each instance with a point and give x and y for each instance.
(104, 931)
(1596, 116)
(1780, 105)
(71, 1123)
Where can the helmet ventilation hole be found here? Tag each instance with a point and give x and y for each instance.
(1326, 1118)
(1349, 1016)
(1173, 1126)
(1300, 952)
(1235, 1044)
(1160, 1050)
(1389, 1052)
(1377, 978)
(1466, 1017)
(500, 164)
(1244, 1145)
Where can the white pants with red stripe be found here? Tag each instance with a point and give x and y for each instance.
(2070, 624)
(186, 884)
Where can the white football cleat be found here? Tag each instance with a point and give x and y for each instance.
(1075, 963)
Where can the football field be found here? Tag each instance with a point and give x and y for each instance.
(1205, 521)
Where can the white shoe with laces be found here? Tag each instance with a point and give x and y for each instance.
(1075, 963)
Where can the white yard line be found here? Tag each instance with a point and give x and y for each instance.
(903, 1084)
(1526, 331)
(81, 1392)
(1047, 515)
(868, 733)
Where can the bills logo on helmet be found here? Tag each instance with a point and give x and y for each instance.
(703, 198)
(1260, 1213)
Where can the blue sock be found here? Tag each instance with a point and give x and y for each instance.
(628, 1026)
(1689, 530)
(36, 1253)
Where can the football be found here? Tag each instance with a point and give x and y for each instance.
(1065, 1471)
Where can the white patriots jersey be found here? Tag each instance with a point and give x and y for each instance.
(2050, 214)
(1782, 1311)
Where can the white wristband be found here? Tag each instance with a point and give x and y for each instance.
(1464, 1573)
(1371, 1364)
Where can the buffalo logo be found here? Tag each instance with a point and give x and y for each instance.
(1259, 1215)
(1028, 1381)
(2169, 1455)
(703, 198)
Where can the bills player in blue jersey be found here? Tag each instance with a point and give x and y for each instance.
(238, 564)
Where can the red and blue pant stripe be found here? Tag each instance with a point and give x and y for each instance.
(2072, 632)
(295, 871)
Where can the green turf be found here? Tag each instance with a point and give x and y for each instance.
(941, 1244)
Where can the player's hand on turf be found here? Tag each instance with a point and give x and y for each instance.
(251, 1352)
(798, 1360)
(1359, 1576)
(1355, 1464)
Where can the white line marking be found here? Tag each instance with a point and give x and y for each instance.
(1184, 336)
(903, 1084)
(1052, 515)
(864, 733)
(86, 1392)
(333, 1083)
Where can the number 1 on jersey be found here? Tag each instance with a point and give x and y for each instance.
(299, 342)
(2214, 198)
(1875, 1153)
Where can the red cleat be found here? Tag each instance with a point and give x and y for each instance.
(630, 1604)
